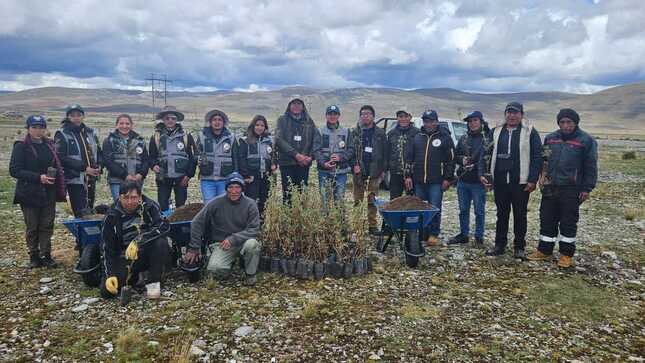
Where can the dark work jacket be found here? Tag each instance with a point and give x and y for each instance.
(113, 145)
(252, 156)
(72, 165)
(156, 150)
(397, 139)
(431, 156)
(573, 160)
(27, 165)
(512, 165)
(470, 145)
(378, 158)
(120, 228)
(294, 136)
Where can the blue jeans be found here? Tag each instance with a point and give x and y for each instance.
(433, 194)
(324, 178)
(212, 188)
(475, 192)
(114, 190)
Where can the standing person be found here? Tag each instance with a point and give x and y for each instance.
(431, 154)
(516, 162)
(257, 162)
(172, 157)
(232, 222)
(125, 155)
(294, 140)
(334, 155)
(369, 144)
(217, 154)
(78, 148)
(133, 231)
(397, 139)
(571, 172)
(39, 185)
(469, 189)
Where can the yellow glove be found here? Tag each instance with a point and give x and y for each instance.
(112, 285)
(131, 251)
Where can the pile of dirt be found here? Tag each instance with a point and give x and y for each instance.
(407, 202)
(92, 217)
(186, 212)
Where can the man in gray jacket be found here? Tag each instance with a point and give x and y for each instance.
(232, 223)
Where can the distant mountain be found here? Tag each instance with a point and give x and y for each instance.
(620, 109)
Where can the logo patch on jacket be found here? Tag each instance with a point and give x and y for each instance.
(180, 146)
(436, 142)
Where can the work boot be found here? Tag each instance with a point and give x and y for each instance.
(48, 261)
(35, 262)
(538, 256)
(153, 290)
(433, 241)
(565, 261)
(479, 242)
(518, 253)
(498, 250)
(458, 240)
(250, 280)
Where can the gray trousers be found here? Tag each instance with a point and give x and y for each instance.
(40, 228)
(221, 261)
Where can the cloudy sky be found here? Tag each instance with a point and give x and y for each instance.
(485, 46)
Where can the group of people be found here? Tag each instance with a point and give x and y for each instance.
(234, 172)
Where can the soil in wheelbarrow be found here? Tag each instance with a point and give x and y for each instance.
(407, 202)
(186, 212)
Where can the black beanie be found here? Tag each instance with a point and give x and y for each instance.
(570, 114)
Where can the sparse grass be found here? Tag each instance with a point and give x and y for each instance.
(311, 310)
(632, 213)
(629, 155)
(130, 345)
(419, 311)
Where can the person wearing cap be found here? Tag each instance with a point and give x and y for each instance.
(172, 157)
(570, 174)
(469, 189)
(134, 234)
(370, 146)
(80, 154)
(516, 161)
(232, 223)
(431, 155)
(257, 161)
(125, 155)
(397, 140)
(217, 154)
(294, 139)
(39, 185)
(334, 156)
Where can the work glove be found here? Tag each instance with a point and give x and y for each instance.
(112, 285)
(131, 251)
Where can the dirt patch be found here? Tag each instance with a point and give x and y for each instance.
(407, 202)
(186, 212)
(92, 217)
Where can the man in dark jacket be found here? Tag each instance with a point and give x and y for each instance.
(134, 231)
(431, 154)
(172, 158)
(369, 144)
(294, 140)
(469, 188)
(397, 139)
(78, 148)
(516, 161)
(570, 174)
(39, 185)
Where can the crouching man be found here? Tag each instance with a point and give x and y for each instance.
(133, 241)
(232, 223)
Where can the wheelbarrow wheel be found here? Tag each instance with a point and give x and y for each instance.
(90, 259)
(194, 276)
(413, 248)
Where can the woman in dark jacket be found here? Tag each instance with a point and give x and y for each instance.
(40, 183)
(256, 161)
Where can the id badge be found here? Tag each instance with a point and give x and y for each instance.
(368, 149)
(297, 138)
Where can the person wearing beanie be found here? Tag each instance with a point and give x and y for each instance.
(80, 154)
(369, 143)
(569, 175)
(294, 140)
(39, 185)
(172, 157)
(334, 156)
(232, 222)
(217, 152)
(469, 149)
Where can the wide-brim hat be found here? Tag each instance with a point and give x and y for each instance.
(170, 110)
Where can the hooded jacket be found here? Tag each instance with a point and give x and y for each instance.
(431, 155)
(573, 159)
(294, 136)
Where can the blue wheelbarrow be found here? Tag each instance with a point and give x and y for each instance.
(180, 236)
(88, 236)
(407, 226)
